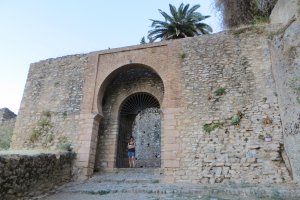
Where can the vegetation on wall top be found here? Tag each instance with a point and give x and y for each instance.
(236, 12)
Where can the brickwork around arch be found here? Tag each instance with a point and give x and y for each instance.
(219, 104)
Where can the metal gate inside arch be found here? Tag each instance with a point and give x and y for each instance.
(140, 118)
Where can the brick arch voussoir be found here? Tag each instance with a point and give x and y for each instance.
(107, 79)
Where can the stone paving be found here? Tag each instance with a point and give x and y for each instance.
(146, 184)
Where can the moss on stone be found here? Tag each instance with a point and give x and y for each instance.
(208, 128)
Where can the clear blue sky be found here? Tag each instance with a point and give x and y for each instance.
(34, 30)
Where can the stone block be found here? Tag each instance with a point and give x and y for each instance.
(171, 164)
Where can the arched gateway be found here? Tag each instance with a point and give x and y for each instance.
(139, 116)
(131, 91)
(111, 79)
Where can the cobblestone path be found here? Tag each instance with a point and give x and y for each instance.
(140, 184)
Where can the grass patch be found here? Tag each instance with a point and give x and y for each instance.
(183, 56)
(64, 144)
(220, 91)
(261, 20)
(43, 127)
(254, 28)
(43, 123)
(36, 133)
(208, 128)
(4, 145)
(5, 137)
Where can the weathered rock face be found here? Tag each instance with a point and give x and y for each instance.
(285, 52)
(284, 11)
(25, 176)
(7, 124)
(147, 133)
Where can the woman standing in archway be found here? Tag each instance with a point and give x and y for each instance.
(131, 152)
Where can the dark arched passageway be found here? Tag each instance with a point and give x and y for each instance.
(125, 102)
(138, 104)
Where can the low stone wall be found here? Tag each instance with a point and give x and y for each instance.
(27, 175)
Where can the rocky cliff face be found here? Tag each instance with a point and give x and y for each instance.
(285, 57)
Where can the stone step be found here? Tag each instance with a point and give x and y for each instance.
(147, 184)
(228, 191)
(154, 171)
(127, 175)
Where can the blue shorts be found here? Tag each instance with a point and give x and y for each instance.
(131, 154)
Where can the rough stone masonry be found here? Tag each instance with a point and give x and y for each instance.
(7, 123)
(229, 104)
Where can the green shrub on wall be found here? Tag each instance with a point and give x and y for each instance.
(64, 144)
(43, 127)
(220, 91)
(236, 119)
(208, 128)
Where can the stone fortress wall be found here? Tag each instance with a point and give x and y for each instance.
(240, 64)
(222, 95)
(49, 113)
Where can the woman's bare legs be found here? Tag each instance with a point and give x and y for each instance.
(133, 161)
(129, 160)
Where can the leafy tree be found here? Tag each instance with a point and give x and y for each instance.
(183, 22)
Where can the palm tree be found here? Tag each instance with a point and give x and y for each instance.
(182, 23)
